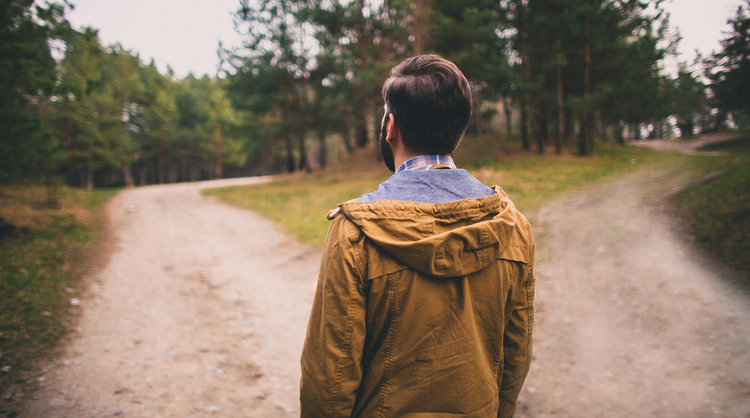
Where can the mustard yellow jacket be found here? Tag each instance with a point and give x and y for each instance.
(421, 310)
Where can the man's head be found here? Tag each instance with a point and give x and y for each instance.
(430, 100)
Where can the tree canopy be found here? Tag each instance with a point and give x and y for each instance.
(27, 78)
(304, 86)
(729, 71)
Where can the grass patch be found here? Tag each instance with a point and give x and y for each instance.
(300, 202)
(719, 211)
(739, 145)
(530, 179)
(40, 263)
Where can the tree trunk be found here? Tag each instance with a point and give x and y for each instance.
(583, 142)
(302, 164)
(619, 131)
(526, 75)
(87, 179)
(559, 138)
(478, 126)
(346, 137)
(160, 161)
(289, 154)
(219, 155)
(360, 127)
(542, 134)
(361, 112)
(195, 172)
(421, 33)
(524, 126)
(323, 152)
(568, 127)
(69, 142)
(560, 112)
(127, 175)
(508, 109)
(185, 164)
(142, 176)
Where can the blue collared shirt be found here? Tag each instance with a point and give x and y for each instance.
(414, 182)
(426, 162)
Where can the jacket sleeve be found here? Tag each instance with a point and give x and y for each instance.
(517, 339)
(332, 353)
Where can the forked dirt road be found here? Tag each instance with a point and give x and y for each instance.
(202, 309)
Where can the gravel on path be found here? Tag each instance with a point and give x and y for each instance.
(201, 310)
(632, 320)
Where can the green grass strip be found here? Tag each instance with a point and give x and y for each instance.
(718, 211)
(300, 202)
(40, 265)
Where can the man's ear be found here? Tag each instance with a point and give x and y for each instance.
(392, 130)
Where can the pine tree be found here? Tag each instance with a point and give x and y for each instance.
(730, 72)
(27, 78)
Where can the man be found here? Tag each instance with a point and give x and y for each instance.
(424, 303)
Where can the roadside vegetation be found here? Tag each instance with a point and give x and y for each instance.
(41, 261)
(308, 78)
(718, 211)
(300, 202)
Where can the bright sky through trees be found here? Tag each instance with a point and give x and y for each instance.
(701, 24)
(184, 34)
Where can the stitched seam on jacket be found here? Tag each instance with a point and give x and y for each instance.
(484, 254)
(530, 310)
(355, 248)
(349, 333)
(501, 359)
(389, 346)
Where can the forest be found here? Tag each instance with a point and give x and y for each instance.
(304, 87)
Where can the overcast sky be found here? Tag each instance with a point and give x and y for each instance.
(702, 24)
(185, 34)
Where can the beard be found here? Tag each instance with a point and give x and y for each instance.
(385, 147)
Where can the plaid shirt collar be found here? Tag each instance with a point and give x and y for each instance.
(426, 162)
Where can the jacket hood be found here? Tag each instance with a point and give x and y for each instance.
(445, 239)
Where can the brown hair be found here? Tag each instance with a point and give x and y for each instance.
(430, 100)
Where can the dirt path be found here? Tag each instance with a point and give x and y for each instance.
(202, 309)
(687, 146)
(631, 321)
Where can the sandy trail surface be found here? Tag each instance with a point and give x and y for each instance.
(632, 321)
(687, 146)
(202, 308)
